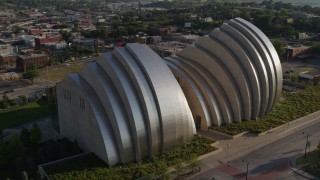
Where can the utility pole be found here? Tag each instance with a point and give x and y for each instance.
(228, 150)
(247, 168)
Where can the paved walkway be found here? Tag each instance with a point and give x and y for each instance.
(232, 149)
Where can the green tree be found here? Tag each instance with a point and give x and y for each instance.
(30, 74)
(245, 15)
(279, 46)
(294, 78)
(310, 82)
(270, 4)
(31, 167)
(316, 48)
(24, 99)
(103, 33)
(289, 31)
(15, 149)
(35, 134)
(65, 35)
(3, 154)
(1, 60)
(19, 165)
(25, 136)
(5, 102)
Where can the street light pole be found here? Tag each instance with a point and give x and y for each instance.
(305, 150)
(247, 168)
(228, 150)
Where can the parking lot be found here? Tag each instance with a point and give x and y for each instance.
(297, 66)
(17, 88)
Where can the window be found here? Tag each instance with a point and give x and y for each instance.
(67, 95)
(82, 103)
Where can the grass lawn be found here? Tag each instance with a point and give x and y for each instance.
(311, 164)
(23, 114)
(56, 74)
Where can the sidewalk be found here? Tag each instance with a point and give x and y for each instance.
(231, 149)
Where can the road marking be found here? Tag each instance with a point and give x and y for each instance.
(298, 126)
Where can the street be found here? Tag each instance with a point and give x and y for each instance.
(269, 161)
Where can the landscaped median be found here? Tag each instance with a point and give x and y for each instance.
(182, 159)
(294, 106)
(310, 164)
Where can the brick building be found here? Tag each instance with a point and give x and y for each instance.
(25, 62)
(3, 68)
(40, 41)
(9, 61)
(162, 31)
(294, 51)
(34, 31)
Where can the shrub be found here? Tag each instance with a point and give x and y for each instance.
(294, 106)
(152, 169)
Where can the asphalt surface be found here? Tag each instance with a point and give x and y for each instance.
(268, 157)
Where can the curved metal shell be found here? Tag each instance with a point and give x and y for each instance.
(138, 106)
(128, 105)
(238, 58)
(276, 64)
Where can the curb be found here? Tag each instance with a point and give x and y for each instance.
(215, 132)
(210, 154)
(292, 164)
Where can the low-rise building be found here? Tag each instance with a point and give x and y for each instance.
(9, 61)
(84, 42)
(302, 36)
(84, 23)
(56, 45)
(41, 40)
(186, 38)
(293, 51)
(28, 40)
(153, 39)
(313, 76)
(10, 76)
(162, 31)
(34, 31)
(24, 62)
(5, 48)
(3, 68)
(208, 19)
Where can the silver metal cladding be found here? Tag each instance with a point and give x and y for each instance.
(238, 58)
(135, 105)
(132, 105)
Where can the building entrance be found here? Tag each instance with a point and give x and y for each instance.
(197, 121)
